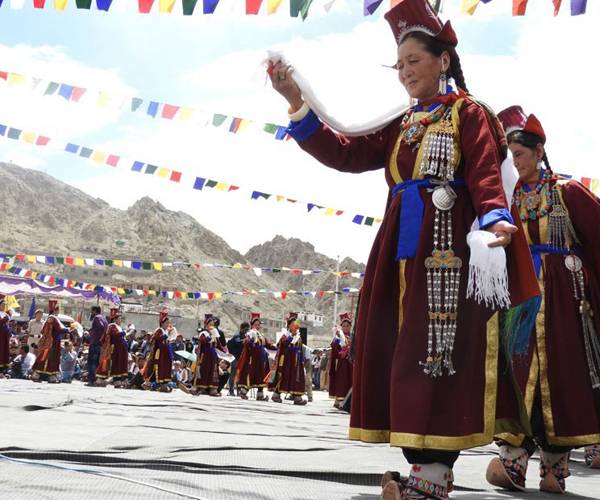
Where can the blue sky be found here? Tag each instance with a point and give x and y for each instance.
(211, 63)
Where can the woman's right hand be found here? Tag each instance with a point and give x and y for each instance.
(282, 81)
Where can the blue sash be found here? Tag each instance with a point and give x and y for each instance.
(411, 213)
(538, 250)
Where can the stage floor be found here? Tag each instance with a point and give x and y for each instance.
(170, 446)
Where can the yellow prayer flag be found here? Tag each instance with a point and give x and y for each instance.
(330, 211)
(221, 186)
(31, 258)
(377, 221)
(28, 137)
(218, 295)
(79, 262)
(165, 6)
(595, 187)
(163, 172)
(118, 263)
(237, 264)
(60, 4)
(14, 79)
(121, 291)
(279, 198)
(185, 113)
(103, 98)
(11, 302)
(33, 275)
(468, 6)
(273, 5)
(99, 156)
(243, 125)
(151, 292)
(157, 266)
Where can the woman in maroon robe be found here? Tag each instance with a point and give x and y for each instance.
(158, 368)
(113, 355)
(206, 380)
(428, 372)
(557, 367)
(340, 372)
(4, 337)
(48, 357)
(289, 364)
(253, 366)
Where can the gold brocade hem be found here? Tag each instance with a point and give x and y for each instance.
(574, 440)
(249, 386)
(445, 443)
(368, 435)
(118, 375)
(515, 440)
(290, 392)
(42, 372)
(206, 386)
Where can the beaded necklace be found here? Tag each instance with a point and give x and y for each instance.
(413, 131)
(531, 199)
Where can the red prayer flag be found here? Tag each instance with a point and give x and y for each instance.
(4, 75)
(169, 111)
(77, 93)
(38, 4)
(3, 266)
(321, 294)
(210, 296)
(233, 188)
(70, 260)
(178, 295)
(20, 257)
(175, 176)
(42, 141)
(51, 280)
(519, 7)
(253, 6)
(283, 295)
(112, 160)
(145, 6)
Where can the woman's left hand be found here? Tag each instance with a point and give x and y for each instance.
(502, 231)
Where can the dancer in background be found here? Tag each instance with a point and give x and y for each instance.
(340, 372)
(253, 366)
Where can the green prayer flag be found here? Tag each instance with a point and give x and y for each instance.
(369, 221)
(147, 266)
(150, 169)
(190, 295)
(108, 262)
(218, 120)
(211, 184)
(270, 128)
(83, 4)
(300, 7)
(188, 8)
(60, 260)
(136, 102)
(52, 87)
(265, 196)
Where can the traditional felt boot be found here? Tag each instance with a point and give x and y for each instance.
(509, 470)
(592, 456)
(260, 396)
(554, 470)
(53, 379)
(100, 382)
(427, 481)
(36, 377)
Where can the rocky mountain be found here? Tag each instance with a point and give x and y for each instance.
(44, 216)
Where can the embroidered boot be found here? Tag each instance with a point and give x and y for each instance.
(592, 456)
(554, 469)
(427, 481)
(509, 470)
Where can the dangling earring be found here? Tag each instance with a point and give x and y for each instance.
(442, 86)
(539, 164)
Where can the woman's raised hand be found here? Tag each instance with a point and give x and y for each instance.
(282, 81)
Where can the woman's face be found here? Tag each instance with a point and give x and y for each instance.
(526, 160)
(419, 70)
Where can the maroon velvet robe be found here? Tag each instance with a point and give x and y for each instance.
(290, 377)
(207, 362)
(159, 361)
(47, 361)
(114, 355)
(253, 366)
(340, 371)
(556, 357)
(393, 400)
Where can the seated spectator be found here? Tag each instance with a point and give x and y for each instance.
(21, 366)
(178, 345)
(132, 366)
(224, 373)
(68, 362)
(137, 381)
(180, 374)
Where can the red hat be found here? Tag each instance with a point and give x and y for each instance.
(114, 313)
(345, 317)
(418, 15)
(291, 317)
(208, 317)
(514, 118)
(254, 317)
(162, 316)
(53, 306)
